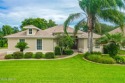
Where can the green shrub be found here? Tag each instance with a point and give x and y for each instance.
(18, 55)
(68, 52)
(57, 50)
(113, 49)
(105, 49)
(98, 53)
(121, 52)
(9, 56)
(38, 55)
(49, 55)
(101, 59)
(119, 59)
(28, 55)
(86, 54)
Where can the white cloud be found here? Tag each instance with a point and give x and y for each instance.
(18, 10)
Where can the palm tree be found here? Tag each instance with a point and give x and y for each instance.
(118, 38)
(93, 11)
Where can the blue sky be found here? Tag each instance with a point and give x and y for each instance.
(12, 12)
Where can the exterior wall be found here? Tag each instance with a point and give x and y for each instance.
(47, 45)
(12, 43)
(83, 46)
(33, 32)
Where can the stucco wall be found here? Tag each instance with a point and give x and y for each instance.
(12, 43)
(83, 45)
(47, 45)
(94, 48)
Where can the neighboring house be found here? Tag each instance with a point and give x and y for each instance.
(118, 30)
(45, 40)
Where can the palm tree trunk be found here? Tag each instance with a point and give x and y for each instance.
(90, 33)
(89, 38)
(91, 41)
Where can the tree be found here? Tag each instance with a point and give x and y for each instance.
(38, 22)
(103, 30)
(51, 23)
(7, 30)
(15, 29)
(64, 42)
(22, 46)
(94, 10)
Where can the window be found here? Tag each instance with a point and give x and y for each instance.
(22, 40)
(30, 31)
(39, 44)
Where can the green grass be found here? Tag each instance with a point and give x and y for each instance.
(72, 70)
(3, 47)
(121, 52)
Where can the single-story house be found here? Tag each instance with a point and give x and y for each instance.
(118, 30)
(45, 40)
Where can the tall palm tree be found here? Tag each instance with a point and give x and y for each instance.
(93, 11)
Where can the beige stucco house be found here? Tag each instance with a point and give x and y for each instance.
(45, 40)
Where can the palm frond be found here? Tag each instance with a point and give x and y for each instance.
(70, 19)
(79, 25)
(113, 15)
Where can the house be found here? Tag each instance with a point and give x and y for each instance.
(45, 40)
(118, 30)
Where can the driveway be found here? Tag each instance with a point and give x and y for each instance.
(3, 53)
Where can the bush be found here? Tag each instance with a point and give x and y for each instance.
(121, 52)
(38, 55)
(9, 56)
(49, 55)
(57, 50)
(105, 49)
(119, 59)
(98, 53)
(101, 59)
(18, 55)
(22, 46)
(68, 52)
(28, 55)
(113, 49)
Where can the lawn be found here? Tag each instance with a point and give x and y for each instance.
(72, 70)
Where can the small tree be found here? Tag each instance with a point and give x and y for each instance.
(64, 42)
(22, 46)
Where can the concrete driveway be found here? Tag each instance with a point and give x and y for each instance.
(3, 52)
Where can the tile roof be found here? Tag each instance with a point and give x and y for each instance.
(117, 30)
(48, 33)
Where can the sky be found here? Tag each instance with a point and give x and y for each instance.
(12, 12)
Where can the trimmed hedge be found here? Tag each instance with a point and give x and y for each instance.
(49, 55)
(99, 58)
(9, 56)
(38, 55)
(119, 59)
(28, 55)
(68, 52)
(57, 50)
(18, 55)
